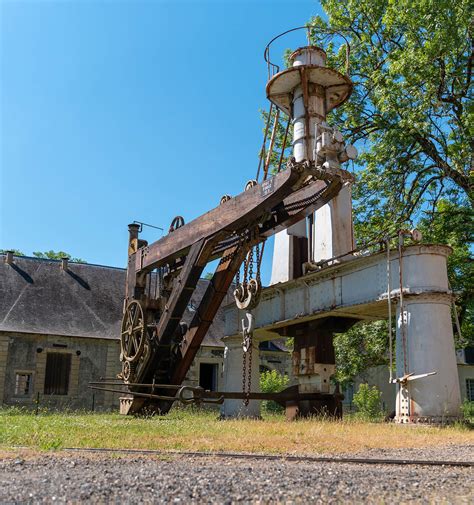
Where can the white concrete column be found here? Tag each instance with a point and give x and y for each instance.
(333, 233)
(233, 378)
(428, 346)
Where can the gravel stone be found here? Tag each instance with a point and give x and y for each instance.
(97, 478)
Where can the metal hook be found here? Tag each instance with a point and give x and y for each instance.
(247, 331)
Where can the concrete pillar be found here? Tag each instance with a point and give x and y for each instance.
(425, 345)
(233, 378)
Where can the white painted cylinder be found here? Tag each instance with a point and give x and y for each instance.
(233, 378)
(429, 347)
(309, 55)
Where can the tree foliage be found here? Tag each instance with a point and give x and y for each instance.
(272, 381)
(52, 255)
(411, 113)
(363, 346)
(57, 255)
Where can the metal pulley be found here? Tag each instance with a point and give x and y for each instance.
(247, 295)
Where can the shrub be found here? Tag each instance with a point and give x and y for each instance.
(368, 403)
(272, 381)
(467, 409)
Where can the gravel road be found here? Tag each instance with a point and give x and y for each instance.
(71, 477)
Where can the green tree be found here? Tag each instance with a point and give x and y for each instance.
(16, 252)
(52, 255)
(272, 381)
(411, 113)
(363, 346)
(57, 255)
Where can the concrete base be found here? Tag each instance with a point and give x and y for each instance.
(233, 355)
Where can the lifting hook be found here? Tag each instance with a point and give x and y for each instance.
(247, 331)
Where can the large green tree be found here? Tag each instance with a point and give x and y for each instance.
(411, 113)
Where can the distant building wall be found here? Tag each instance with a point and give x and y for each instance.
(26, 374)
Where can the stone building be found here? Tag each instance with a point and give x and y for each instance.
(59, 328)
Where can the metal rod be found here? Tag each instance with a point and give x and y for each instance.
(283, 147)
(310, 221)
(389, 301)
(272, 142)
(133, 393)
(156, 386)
(262, 150)
(283, 457)
(402, 315)
(149, 225)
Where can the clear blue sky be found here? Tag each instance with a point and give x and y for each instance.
(119, 111)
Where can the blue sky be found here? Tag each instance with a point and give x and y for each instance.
(119, 111)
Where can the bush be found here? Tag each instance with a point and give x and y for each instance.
(368, 403)
(272, 381)
(467, 409)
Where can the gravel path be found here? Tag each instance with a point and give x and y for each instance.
(66, 477)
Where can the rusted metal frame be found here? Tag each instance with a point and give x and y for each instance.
(262, 150)
(272, 142)
(208, 307)
(225, 395)
(185, 284)
(233, 215)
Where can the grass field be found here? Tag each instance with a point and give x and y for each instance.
(202, 431)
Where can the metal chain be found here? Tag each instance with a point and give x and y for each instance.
(250, 263)
(249, 376)
(244, 370)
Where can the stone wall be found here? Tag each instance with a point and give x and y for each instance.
(26, 356)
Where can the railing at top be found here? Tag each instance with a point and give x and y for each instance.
(273, 68)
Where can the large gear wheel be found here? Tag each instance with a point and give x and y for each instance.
(133, 333)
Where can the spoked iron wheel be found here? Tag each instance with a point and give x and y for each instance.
(133, 334)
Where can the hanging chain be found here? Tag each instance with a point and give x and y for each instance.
(249, 376)
(247, 294)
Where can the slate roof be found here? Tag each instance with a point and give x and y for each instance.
(36, 296)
